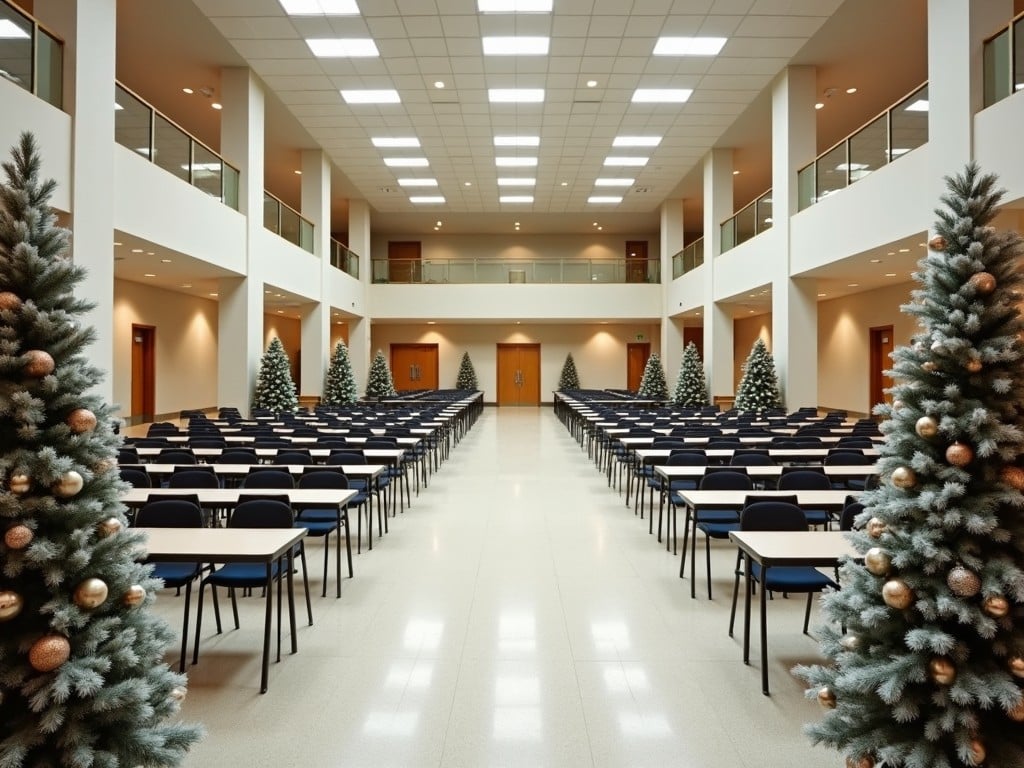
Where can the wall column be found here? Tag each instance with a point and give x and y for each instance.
(672, 233)
(316, 317)
(359, 328)
(718, 330)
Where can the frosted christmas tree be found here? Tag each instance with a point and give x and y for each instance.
(759, 387)
(275, 390)
(569, 378)
(340, 387)
(82, 677)
(652, 384)
(466, 378)
(692, 387)
(379, 382)
(927, 635)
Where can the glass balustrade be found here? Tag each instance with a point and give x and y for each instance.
(484, 270)
(285, 221)
(750, 220)
(900, 129)
(1003, 61)
(688, 259)
(30, 57)
(344, 259)
(143, 130)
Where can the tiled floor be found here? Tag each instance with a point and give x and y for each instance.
(517, 615)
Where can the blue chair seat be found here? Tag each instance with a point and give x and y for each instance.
(318, 527)
(718, 530)
(242, 575)
(792, 579)
(718, 516)
(175, 575)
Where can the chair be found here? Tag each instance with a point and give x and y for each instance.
(778, 515)
(136, 477)
(268, 479)
(804, 479)
(207, 442)
(196, 478)
(397, 472)
(128, 455)
(845, 459)
(362, 485)
(849, 514)
(323, 521)
(176, 456)
(713, 523)
(176, 513)
(292, 457)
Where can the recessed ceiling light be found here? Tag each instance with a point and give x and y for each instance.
(876, 261)
(298, 172)
(165, 261)
(343, 47)
(851, 90)
(750, 311)
(595, 223)
(213, 294)
(217, 105)
(516, 182)
(604, 199)
(136, 250)
(515, 199)
(116, 243)
(186, 285)
(406, 162)
(515, 95)
(517, 141)
(564, 184)
(890, 274)
(431, 322)
(613, 182)
(735, 173)
(518, 45)
(599, 229)
(280, 311)
(636, 141)
(426, 199)
(904, 250)
(515, 162)
(394, 142)
(591, 83)
(514, 6)
(417, 182)
(11, 31)
(189, 91)
(819, 105)
(149, 274)
(661, 95)
(852, 167)
(268, 291)
(822, 294)
(439, 84)
(891, 253)
(371, 96)
(467, 183)
(689, 46)
(439, 223)
(897, 151)
(320, 7)
(625, 161)
(852, 285)
(921, 105)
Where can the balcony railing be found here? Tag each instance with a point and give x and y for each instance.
(485, 270)
(344, 259)
(31, 57)
(901, 128)
(285, 221)
(145, 131)
(750, 220)
(691, 257)
(1004, 62)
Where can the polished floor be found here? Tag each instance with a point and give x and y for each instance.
(517, 615)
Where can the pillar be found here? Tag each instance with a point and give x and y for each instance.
(316, 317)
(718, 331)
(672, 233)
(359, 341)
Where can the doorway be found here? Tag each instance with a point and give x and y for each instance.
(636, 261)
(881, 348)
(519, 374)
(404, 261)
(143, 372)
(414, 366)
(636, 360)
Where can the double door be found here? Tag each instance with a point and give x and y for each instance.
(519, 374)
(414, 366)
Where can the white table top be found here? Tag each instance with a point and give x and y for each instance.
(832, 470)
(835, 498)
(220, 545)
(775, 453)
(229, 496)
(815, 548)
(356, 470)
(391, 455)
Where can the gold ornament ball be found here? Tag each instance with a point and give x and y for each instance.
(1013, 477)
(826, 697)
(90, 594)
(9, 300)
(18, 536)
(877, 561)
(69, 484)
(973, 365)
(39, 363)
(860, 762)
(850, 642)
(983, 282)
(103, 466)
(110, 526)
(978, 753)
(1016, 665)
(959, 454)
(942, 670)
(11, 604)
(876, 528)
(929, 366)
(897, 594)
(926, 427)
(963, 582)
(996, 606)
(134, 596)
(1017, 713)
(904, 477)
(896, 405)
(19, 483)
(937, 243)
(81, 420)
(178, 693)
(49, 652)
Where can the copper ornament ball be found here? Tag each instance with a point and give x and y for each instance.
(69, 484)
(9, 300)
(49, 652)
(978, 753)
(983, 282)
(929, 366)
(826, 697)
(1012, 476)
(39, 363)
(178, 693)
(896, 405)
(875, 528)
(18, 536)
(897, 594)
(1017, 713)
(926, 427)
(942, 670)
(11, 604)
(959, 454)
(938, 243)
(850, 642)
(90, 594)
(864, 761)
(110, 526)
(904, 477)
(963, 582)
(19, 483)
(973, 365)
(81, 420)
(1016, 665)
(134, 596)
(996, 606)
(877, 561)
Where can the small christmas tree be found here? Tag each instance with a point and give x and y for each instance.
(340, 387)
(652, 384)
(759, 387)
(569, 379)
(927, 632)
(692, 387)
(275, 390)
(82, 677)
(379, 382)
(467, 375)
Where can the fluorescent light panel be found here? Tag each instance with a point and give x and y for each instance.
(625, 161)
(514, 6)
(661, 95)
(517, 141)
(397, 142)
(426, 199)
(11, 31)
(516, 182)
(515, 95)
(636, 141)
(614, 182)
(689, 46)
(515, 162)
(320, 7)
(519, 45)
(604, 199)
(343, 47)
(515, 199)
(417, 182)
(406, 162)
(371, 96)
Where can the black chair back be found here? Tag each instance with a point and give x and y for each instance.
(268, 479)
(193, 478)
(323, 478)
(170, 513)
(772, 515)
(346, 457)
(176, 456)
(237, 456)
(849, 514)
(804, 481)
(138, 478)
(293, 457)
(726, 481)
(262, 513)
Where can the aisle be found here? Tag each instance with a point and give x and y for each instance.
(517, 615)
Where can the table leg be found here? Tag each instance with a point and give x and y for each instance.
(291, 603)
(348, 539)
(746, 606)
(764, 631)
(266, 629)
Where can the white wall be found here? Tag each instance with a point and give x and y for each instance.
(186, 346)
(997, 144)
(52, 129)
(285, 265)
(516, 245)
(748, 265)
(686, 292)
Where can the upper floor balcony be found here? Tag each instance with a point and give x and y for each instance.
(537, 270)
(30, 56)
(1004, 62)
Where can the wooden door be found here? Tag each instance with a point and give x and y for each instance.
(414, 366)
(696, 335)
(636, 261)
(636, 361)
(404, 261)
(143, 372)
(519, 374)
(881, 348)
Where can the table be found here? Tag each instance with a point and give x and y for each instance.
(234, 545)
(783, 548)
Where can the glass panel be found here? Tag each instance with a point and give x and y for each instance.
(16, 48)
(49, 69)
(805, 187)
(997, 68)
(910, 123)
(677, 264)
(207, 170)
(728, 235)
(1018, 55)
(869, 148)
(352, 265)
(831, 172)
(271, 214)
(171, 147)
(230, 176)
(131, 122)
(289, 225)
(306, 235)
(746, 224)
(698, 253)
(764, 212)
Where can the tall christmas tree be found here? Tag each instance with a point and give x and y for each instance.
(275, 390)
(569, 378)
(82, 677)
(379, 382)
(759, 387)
(652, 384)
(340, 387)
(929, 670)
(466, 378)
(692, 387)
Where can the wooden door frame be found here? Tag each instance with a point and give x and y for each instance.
(499, 346)
(876, 365)
(629, 346)
(418, 346)
(148, 383)
(633, 268)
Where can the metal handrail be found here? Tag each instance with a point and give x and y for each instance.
(497, 270)
(344, 258)
(740, 210)
(681, 264)
(37, 27)
(1010, 30)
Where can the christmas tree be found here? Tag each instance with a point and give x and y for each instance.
(569, 378)
(692, 387)
(379, 382)
(759, 387)
(82, 677)
(652, 383)
(467, 375)
(930, 667)
(275, 390)
(340, 387)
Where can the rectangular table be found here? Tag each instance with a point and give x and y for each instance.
(783, 548)
(234, 545)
